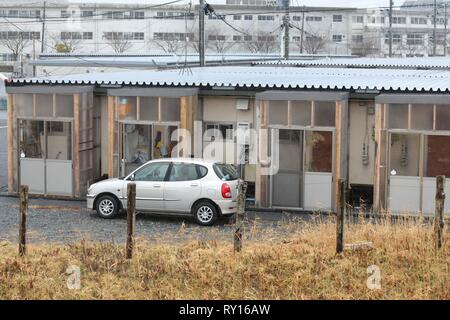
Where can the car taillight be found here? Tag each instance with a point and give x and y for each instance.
(226, 191)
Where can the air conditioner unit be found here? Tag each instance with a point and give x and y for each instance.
(242, 104)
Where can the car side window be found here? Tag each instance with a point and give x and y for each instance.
(152, 172)
(186, 172)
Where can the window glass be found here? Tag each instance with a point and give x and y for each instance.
(24, 104)
(443, 117)
(149, 109)
(301, 113)
(170, 109)
(59, 140)
(422, 116)
(64, 106)
(437, 156)
(184, 172)
(226, 172)
(324, 113)
(318, 151)
(32, 139)
(137, 144)
(405, 154)
(398, 116)
(44, 105)
(278, 112)
(126, 107)
(202, 171)
(152, 172)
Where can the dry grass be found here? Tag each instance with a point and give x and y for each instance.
(301, 266)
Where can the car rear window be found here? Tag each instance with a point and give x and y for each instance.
(226, 172)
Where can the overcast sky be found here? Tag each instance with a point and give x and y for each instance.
(335, 3)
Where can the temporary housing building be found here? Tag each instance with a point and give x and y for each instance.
(386, 131)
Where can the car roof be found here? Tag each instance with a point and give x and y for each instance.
(188, 160)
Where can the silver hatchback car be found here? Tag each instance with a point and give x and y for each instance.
(176, 186)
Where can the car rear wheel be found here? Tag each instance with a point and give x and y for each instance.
(205, 213)
(107, 207)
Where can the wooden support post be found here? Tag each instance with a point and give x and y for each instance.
(240, 215)
(23, 219)
(76, 144)
(111, 110)
(439, 214)
(131, 218)
(340, 217)
(10, 133)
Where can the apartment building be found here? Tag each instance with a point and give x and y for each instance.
(412, 30)
(237, 27)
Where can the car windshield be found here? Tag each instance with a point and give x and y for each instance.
(226, 172)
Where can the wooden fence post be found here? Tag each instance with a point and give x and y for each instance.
(340, 217)
(131, 218)
(23, 219)
(439, 214)
(239, 215)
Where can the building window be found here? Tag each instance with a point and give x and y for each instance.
(337, 37)
(171, 36)
(237, 38)
(414, 39)
(296, 18)
(357, 38)
(139, 14)
(248, 17)
(418, 20)
(337, 17)
(216, 37)
(87, 13)
(13, 13)
(398, 20)
(237, 17)
(313, 18)
(248, 38)
(358, 19)
(123, 35)
(396, 38)
(266, 18)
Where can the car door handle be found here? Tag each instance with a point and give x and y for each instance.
(157, 186)
(194, 184)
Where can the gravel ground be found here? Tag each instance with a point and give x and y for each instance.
(55, 221)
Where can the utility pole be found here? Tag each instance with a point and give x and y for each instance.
(201, 30)
(303, 30)
(286, 28)
(434, 28)
(34, 56)
(391, 3)
(445, 29)
(43, 29)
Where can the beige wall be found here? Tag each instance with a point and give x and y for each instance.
(359, 173)
(223, 109)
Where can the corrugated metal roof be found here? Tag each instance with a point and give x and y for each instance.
(403, 63)
(266, 77)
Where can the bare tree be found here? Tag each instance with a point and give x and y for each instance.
(171, 44)
(16, 41)
(66, 43)
(118, 42)
(263, 42)
(216, 41)
(313, 43)
(365, 46)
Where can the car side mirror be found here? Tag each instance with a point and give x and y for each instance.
(131, 178)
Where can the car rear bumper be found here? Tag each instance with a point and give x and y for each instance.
(227, 207)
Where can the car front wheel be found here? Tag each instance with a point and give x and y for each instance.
(107, 207)
(205, 213)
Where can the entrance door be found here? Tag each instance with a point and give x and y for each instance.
(287, 183)
(46, 156)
